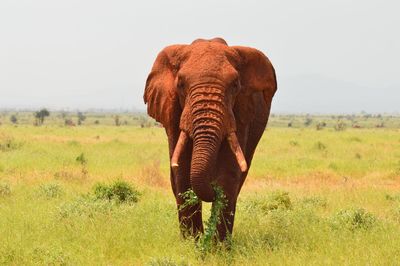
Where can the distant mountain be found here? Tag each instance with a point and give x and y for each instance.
(317, 94)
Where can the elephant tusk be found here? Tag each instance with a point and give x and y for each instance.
(235, 147)
(180, 145)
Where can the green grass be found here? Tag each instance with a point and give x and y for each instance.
(312, 197)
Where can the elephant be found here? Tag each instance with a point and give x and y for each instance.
(214, 102)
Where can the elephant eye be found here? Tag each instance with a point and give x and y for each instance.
(181, 84)
(236, 85)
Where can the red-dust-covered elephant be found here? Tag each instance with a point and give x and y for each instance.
(213, 101)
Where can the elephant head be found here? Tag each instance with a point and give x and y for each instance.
(201, 87)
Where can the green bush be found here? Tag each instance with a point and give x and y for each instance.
(166, 262)
(278, 200)
(8, 143)
(51, 190)
(104, 200)
(289, 227)
(119, 191)
(393, 197)
(274, 201)
(81, 159)
(85, 206)
(294, 143)
(320, 125)
(340, 125)
(5, 189)
(320, 146)
(8, 255)
(314, 202)
(14, 119)
(49, 256)
(353, 219)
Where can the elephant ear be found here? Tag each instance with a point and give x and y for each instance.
(160, 93)
(256, 72)
(256, 75)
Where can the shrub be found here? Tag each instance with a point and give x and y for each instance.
(51, 190)
(104, 200)
(278, 229)
(81, 118)
(308, 121)
(289, 227)
(340, 125)
(165, 262)
(320, 146)
(395, 197)
(8, 143)
(275, 201)
(117, 122)
(49, 256)
(333, 166)
(73, 143)
(85, 206)
(320, 125)
(355, 139)
(40, 116)
(69, 122)
(278, 200)
(293, 143)
(5, 189)
(14, 119)
(353, 219)
(81, 159)
(8, 255)
(314, 202)
(119, 191)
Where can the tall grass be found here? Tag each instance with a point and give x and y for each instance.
(309, 199)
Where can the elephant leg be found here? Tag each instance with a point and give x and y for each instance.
(229, 179)
(227, 217)
(190, 217)
(190, 220)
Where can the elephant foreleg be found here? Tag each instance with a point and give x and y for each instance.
(229, 177)
(227, 219)
(190, 217)
(190, 220)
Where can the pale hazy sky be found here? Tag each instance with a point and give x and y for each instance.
(330, 56)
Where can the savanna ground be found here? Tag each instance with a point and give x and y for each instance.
(312, 197)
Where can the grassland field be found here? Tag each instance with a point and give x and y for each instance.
(313, 197)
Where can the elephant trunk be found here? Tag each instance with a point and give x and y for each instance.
(207, 112)
(204, 155)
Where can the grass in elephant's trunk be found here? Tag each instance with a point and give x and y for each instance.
(205, 242)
